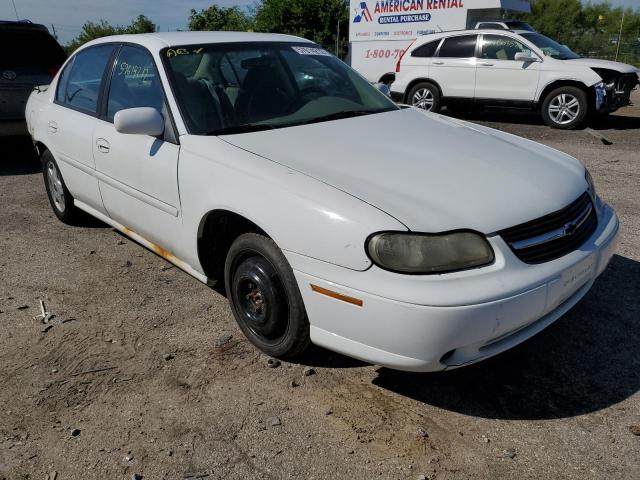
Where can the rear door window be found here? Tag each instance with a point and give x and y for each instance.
(80, 88)
(463, 46)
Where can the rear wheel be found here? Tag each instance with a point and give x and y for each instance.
(565, 108)
(426, 96)
(60, 198)
(264, 296)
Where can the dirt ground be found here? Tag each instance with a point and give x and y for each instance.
(143, 373)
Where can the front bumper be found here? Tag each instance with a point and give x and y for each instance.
(430, 323)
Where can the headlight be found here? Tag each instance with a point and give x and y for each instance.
(592, 186)
(417, 253)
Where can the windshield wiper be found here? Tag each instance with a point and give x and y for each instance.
(247, 128)
(340, 116)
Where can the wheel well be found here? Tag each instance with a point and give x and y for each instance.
(40, 149)
(565, 83)
(417, 81)
(218, 230)
(387, 78)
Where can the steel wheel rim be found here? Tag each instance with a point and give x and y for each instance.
(423, 98)
(55, 187)
(564, 108)
(259, 297)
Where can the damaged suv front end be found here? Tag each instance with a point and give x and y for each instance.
(615, 89)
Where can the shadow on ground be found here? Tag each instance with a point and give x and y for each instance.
(18, 157)
(586, 361)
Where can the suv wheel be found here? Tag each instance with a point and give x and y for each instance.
(426, 96)
(264, 296)
(565, 108)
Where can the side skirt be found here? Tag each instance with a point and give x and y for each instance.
(157, 249)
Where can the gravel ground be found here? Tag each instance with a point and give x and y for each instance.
(143, 371)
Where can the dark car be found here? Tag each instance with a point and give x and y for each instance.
(30, 57)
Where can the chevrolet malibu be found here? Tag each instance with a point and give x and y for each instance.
(329, 214)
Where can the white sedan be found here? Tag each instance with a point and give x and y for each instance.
(329, 214)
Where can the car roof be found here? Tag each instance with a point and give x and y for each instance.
(160, 40)
(474, 31)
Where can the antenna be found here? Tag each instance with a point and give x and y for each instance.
(13, 2)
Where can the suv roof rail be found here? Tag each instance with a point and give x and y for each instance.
(25, 23)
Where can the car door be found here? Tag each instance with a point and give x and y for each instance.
(499, 77)
(138, 174)
(454, 66)
(72, 117)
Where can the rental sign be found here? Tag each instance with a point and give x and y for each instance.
(407, 19)
(394, 18)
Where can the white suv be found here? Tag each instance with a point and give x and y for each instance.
(516, 69)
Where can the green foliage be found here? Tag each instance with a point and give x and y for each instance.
(316, 20)
(220, 18)
(91, 31)
(589, 30)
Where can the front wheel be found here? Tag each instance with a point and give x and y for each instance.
(565, 108)
(426, 96)
(264, 296)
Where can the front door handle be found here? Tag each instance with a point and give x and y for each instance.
(53, 127)
(438, 63)
(102, 145)
(486, 64)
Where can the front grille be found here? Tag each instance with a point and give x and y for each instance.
(553, 235)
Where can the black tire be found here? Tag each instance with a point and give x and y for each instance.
(565, 108)
(425, 95)
(264, 297)
(60, 198)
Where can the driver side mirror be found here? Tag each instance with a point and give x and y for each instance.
(526, 56)
(139, 121)
(384, 88)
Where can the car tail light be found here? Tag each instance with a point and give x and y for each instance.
(402, 55)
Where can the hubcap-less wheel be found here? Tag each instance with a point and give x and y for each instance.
(423, 98)
(564, 108)
(55, 187)
(261, 299)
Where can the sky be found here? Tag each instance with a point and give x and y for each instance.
(68, 16)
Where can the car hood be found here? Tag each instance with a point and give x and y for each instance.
(430, 172)
(597, 63)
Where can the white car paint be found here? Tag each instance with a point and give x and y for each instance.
(497, 79)
(319, 191)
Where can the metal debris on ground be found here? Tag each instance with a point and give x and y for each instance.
(599, 136)
(44, 316)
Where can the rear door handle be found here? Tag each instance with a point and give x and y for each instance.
(486, 64)
(53, 127)
(102, 145)
(438, 63)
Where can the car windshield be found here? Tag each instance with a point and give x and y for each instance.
(550, 47)
(243, 87)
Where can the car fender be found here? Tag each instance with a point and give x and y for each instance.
(301, 214)
(556, 71)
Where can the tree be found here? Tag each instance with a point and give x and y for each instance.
(316, 20)
(220, 18)
(590, 30)
(91, 31)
